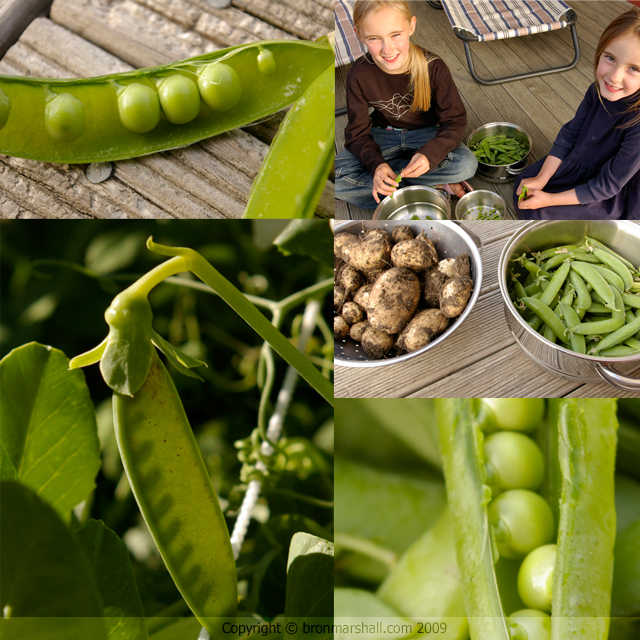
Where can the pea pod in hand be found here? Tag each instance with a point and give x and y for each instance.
(162, 462)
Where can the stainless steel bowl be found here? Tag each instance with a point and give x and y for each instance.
(480, 203)
(450, 239)
(624, 238)
(502, 172)
(428, 203)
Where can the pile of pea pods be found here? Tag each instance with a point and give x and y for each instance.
(488, 519)
(584, 297)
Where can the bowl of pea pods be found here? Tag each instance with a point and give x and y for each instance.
(502, 150)
(571, 293)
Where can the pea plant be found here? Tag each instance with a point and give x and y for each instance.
(126, 115)
(490, 518)
(115, 522)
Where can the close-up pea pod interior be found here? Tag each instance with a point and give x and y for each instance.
(140, 112)
(488, 519)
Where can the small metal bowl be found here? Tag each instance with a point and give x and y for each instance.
(501, 172)
(481, 204)
(621, 236)
(427, 203)
(450, 239)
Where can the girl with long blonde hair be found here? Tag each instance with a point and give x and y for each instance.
(593, 168)
(418, 120)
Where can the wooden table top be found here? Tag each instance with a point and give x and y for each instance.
(84, 38)
(481, 359)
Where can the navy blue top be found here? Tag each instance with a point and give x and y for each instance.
(600, 159)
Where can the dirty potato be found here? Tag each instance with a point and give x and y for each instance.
(455, 295)
(393, 300)
(340, 328)
(371, 253)
(352, 312)
(402, 232)
(423, 328)
(434, 280)
(357, 330)
(376, 344)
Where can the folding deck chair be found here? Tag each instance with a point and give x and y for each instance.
(485, 20)
(348, 47)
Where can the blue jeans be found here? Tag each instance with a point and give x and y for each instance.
(354, 184)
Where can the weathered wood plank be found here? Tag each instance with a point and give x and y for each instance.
(15, 17)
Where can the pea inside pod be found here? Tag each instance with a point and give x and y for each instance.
(236, 86)
(64, 118)
(179, 99)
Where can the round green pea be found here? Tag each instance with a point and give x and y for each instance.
(512, 461)
(64, 118)
(516, 414)
(139, 108)
(5, 107)
(219, 86)
(537, 624)
(522, 521)
(179, 98)
(535, 577)
(266, 63)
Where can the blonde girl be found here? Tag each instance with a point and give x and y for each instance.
(418, 120)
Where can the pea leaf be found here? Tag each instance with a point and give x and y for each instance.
(309, 582)
(48, 426)
(124, 615)
(7, 470)
(48, 590)
(311, 238)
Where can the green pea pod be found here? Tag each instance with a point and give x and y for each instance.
(297, 166)
(584, 435)
(468, 495)
(174, 492)
(139, 112)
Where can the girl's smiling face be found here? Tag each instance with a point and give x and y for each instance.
(618, 72)
(386, 33)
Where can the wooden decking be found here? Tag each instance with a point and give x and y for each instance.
(84, 38)
(540, 105)
(481, 359)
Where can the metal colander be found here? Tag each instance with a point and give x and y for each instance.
(450, 239)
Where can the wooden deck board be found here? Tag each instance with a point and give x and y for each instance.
(481, 358)
(541, 105)
(210, 179)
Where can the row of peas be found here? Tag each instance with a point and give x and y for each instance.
(140, 105)
(521, 519)
(586, 297)
(499, 150)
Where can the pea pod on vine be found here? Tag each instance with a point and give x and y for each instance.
(148, 110)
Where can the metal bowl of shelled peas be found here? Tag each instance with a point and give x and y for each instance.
(623, 237)
(496, 170)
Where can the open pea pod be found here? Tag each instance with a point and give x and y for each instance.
(140, 112)
(585, 432)
(579, 443)
(300, 158)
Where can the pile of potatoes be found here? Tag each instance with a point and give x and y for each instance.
(392, 293)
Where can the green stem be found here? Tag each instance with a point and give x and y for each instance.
(189, 260)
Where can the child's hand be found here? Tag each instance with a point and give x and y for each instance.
(536, 199)
(418, 166)
(533, 184)
(384, 181)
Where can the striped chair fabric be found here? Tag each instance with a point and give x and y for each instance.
(348, 47)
